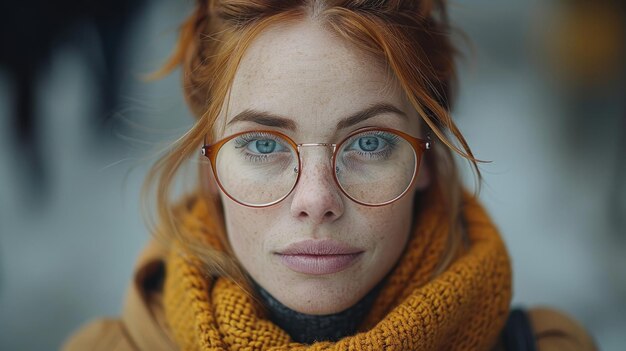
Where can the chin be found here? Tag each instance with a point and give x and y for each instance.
(321, 305)
(318, 297)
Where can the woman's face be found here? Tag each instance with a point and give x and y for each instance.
(313, 80)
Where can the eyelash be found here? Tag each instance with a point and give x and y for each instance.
(243, 140)
(390, 139)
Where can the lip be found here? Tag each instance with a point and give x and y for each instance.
(318, 257)
(319, 247)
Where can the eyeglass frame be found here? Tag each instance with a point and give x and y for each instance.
(211, 151)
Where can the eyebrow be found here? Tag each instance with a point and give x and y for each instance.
(264, 118)
(273, 120)
(372, 111)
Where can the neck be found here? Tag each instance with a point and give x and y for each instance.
(307, 328)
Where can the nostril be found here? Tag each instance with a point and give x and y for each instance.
(329, 214)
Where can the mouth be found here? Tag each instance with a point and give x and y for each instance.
(318, 257)
(319, 264)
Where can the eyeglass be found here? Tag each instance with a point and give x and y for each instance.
(372, 166)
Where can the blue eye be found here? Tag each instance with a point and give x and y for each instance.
(260, 147)
(372, 143)
(369, 143)
(264, 146)
(259, 143)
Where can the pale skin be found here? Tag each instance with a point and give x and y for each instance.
(313, 80)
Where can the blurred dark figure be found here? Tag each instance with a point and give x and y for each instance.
(585, 47)
(30, 33)
(586, 53)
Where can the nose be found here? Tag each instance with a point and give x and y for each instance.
(316, 197)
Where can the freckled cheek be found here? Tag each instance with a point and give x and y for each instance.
(389, 225)
(243, 229)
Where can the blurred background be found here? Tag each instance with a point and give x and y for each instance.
(542, 95)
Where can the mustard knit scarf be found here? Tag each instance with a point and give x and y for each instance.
(463, 308)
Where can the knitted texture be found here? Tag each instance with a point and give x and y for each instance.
(463, 308)
(308, 328)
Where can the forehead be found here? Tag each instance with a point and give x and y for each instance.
(303, 72)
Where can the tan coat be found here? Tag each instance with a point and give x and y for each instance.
(142, 325)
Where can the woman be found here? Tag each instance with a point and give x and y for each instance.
(329, 213)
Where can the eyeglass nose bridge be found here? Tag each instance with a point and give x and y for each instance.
(333, 147)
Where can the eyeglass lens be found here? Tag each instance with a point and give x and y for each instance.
(260, 168)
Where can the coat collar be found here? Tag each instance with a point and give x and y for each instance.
(143, 314)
